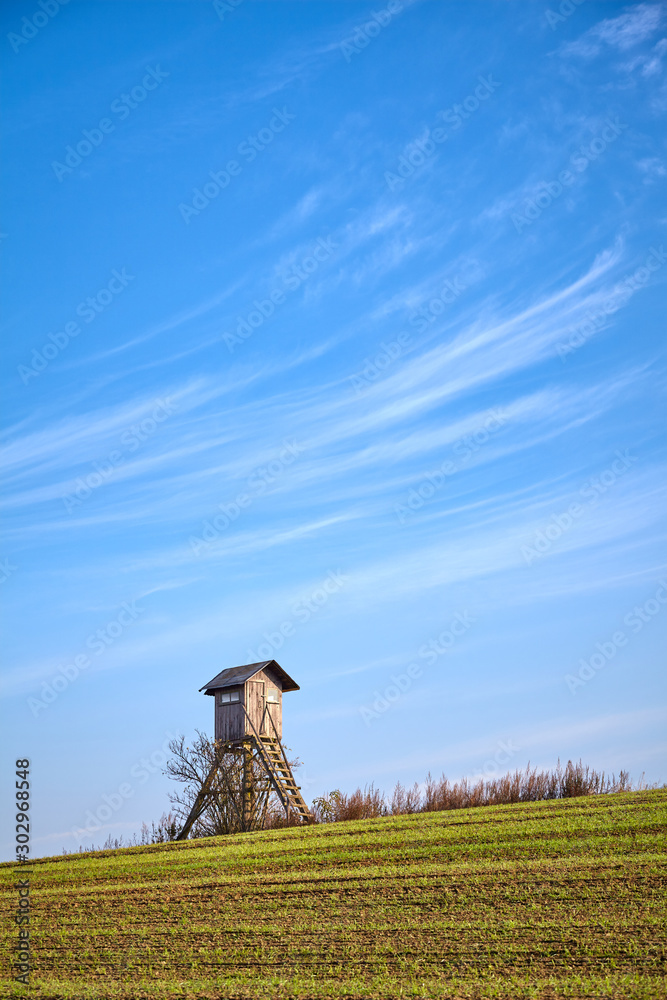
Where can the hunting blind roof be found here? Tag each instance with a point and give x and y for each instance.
(239, 675)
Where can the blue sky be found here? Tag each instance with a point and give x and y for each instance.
(333, 333)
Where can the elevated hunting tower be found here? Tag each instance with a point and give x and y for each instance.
(249, 720)
(249, 700)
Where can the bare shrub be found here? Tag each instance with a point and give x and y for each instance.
(326, 806)
(406, 800)
(522, 786)
(337, 806)
(275, 818)
(361, 805)
(166, 830)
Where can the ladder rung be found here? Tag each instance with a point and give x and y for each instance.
(278, 767)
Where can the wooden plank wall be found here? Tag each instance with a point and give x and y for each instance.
(255, 701)
(230, 723)
(271, 680)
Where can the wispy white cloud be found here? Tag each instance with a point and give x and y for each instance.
(636, 24)
(334, 424)
(181, 318)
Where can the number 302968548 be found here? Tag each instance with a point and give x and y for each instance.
(22, 808)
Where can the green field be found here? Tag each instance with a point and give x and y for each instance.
(551, 899)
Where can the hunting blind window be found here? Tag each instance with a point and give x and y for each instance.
(228, 696)
(272, 696)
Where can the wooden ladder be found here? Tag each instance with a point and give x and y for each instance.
(272, 755)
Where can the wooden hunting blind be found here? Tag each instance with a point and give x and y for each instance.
(249, 700)
(249, 720)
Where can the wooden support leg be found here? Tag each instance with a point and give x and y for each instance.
(247, 786)
(199, 803)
